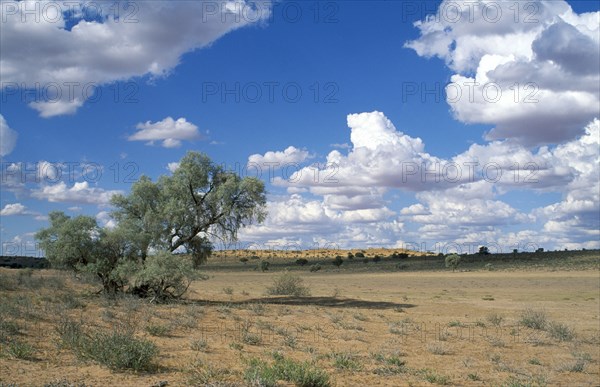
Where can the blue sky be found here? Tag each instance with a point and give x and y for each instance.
(357, 87)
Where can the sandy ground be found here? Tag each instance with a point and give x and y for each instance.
(449, 328)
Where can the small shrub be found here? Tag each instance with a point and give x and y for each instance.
(489, 267)
(345, 361)
(301, 374)
(535, 319)
(315, 267)
(251, 338)
(561, 332)
(228, 290)
(301, 261)
(433, 377)
(376, 258)
(338, 261)
(244, 260)
(495, 319)
(264, 265)
(359, 255)
(199, 345)
(19, 350)
(288, 284)
(158, 330)
(453, 260)
(438, 349)
(350, 255)
(120, 350)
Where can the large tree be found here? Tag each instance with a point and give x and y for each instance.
(183, 212)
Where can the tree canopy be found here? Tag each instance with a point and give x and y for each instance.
(185, 212)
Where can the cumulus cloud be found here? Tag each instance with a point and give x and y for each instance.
(533, 76)
(291, 155)
(79, 47)
(458, 199)
(79, 193)
(13, 209)
(171, 132)
(8, 138)
(19, 209)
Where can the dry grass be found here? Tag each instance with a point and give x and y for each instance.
(379, 329)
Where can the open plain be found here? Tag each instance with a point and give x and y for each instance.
(493, 322)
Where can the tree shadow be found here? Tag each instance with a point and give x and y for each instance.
(332, 302)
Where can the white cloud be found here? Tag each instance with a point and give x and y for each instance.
(469, 209)
(534, 79)
(171, 132)
(13, 209)
(105, 220)
(79, 193)
(172, 167)
(8, 138)
(19, 209)
(108, 42)
(291, 155)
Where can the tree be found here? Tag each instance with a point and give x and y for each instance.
(198, 202)
(453, 260)
(483, 250)
(179, 213)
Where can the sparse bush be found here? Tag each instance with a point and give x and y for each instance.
(495, 319)
(288, 284)
(338, 261)
(315, 267)
(243, 260)
(165, 276)
(199, 345)
(228, 290)
(301, 374)
(561, 332)
(19, 350)
(376, 258)
(301, 261)
(350, 255)
(158, 330)
(489, 267)
(359, 255)
(120, 350)
(535, 319)
(264, 265)
(438, 349)
(453, 260)
(346, 361)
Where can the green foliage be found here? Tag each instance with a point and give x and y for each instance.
(244, 260)
(535, 319)
(345, 361)
(177, 212)
(164, 276)
(264, 265)
(301, 374)
(453, 260)
(338, 261)
(120, 350)
(19, 350)
(315, 267)
(359, 255)
(301, 261)
(288, 284)
(159, 330)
